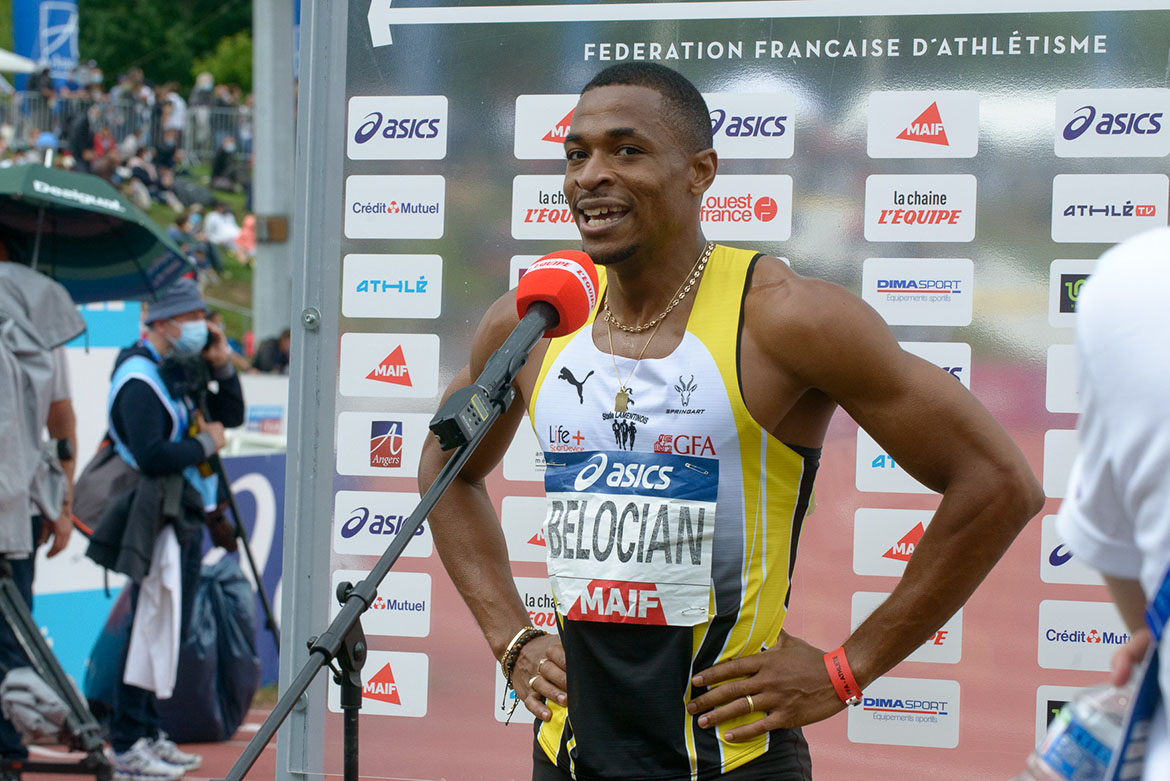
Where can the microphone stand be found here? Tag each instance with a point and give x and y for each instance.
(461, 423)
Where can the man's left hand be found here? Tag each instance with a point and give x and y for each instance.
(788, 683)
(59, 530)
(216, 352)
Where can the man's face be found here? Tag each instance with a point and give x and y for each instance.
(629, 183)
(173, 327)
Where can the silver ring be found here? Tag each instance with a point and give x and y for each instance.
(748, 697)
(530, 681)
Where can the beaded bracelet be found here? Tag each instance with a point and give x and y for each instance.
(511, 655)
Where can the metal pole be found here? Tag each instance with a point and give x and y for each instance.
(274, 149)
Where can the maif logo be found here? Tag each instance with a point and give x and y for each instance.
(927, 128)
(397, 685)
(387, 127)
(558, 132)
(903, 549)
(1112, 123)
(883, 540)
(392, 370)
(389, 365)
(382, 687)
(542, 122)
(930, 124)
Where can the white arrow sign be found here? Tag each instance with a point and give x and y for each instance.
(381, 16)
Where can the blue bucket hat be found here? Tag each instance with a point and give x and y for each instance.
(180, 298)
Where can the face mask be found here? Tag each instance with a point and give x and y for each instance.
(192, 337)
(229, 148)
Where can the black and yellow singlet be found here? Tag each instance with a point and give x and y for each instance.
(671, 533)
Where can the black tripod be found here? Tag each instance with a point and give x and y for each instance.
(461, 423)
(80, 727)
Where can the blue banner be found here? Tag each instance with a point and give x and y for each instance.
(46, 31)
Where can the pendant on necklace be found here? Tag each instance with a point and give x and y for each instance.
(621, 400)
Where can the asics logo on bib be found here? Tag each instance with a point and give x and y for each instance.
(653, 477)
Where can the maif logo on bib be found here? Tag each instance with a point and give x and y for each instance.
(630, 535)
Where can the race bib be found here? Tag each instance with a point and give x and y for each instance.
(630, 535)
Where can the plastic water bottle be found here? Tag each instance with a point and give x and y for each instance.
(1081, 739)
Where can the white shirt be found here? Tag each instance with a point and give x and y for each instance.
(221, 228)
(1117, 514)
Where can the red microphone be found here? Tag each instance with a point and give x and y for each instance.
(568, 281)
(554, 298)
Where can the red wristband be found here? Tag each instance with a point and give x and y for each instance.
(842, 677)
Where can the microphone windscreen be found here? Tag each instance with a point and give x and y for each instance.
(568, 281)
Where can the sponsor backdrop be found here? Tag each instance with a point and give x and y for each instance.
(958, 171)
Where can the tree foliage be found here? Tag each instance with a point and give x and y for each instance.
(231, 62)
(6, 24)
(163, 37)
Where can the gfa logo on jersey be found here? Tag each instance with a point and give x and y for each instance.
(927, 128)
(392, 369)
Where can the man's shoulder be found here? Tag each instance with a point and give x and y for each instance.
(780, 297)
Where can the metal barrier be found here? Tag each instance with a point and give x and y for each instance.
(25, 115)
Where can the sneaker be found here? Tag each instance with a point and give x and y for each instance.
(138, 763)
(165, 749)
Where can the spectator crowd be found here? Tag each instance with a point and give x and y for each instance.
(149, 141)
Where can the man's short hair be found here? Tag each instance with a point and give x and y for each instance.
(687, 110)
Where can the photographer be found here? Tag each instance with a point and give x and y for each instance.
(156, 426)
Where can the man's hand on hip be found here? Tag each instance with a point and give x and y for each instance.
(788, 683)
(539, 674)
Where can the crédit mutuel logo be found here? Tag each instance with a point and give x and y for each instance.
(1079, 635)
(394, 207)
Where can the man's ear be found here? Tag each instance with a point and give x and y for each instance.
(704, 165)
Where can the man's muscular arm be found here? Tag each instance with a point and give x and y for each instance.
(467, 530)
(824, 338)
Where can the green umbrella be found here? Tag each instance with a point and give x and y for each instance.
(79, 230)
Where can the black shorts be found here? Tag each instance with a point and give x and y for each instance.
(793, 764)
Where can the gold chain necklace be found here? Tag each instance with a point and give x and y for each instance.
(680, 294)
(622, 399)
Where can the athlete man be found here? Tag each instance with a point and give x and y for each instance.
(670, 561)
